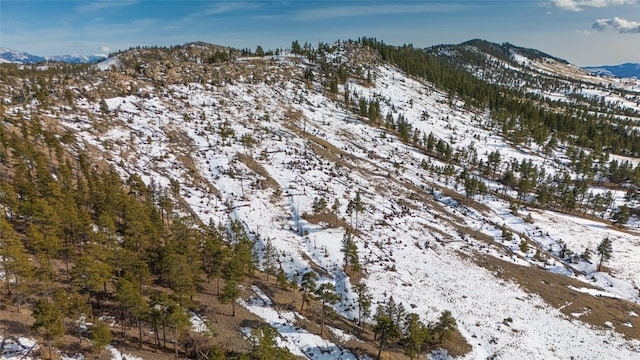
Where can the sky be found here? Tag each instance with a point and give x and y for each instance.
(584, 32)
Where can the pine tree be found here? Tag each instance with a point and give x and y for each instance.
(266, 345)
(307, 287)
(178, 320)
(622, 216)
(232, 275)
(446, 326)
(350, 252)
(48, 321)
(416, 334)
(296, 48)
(385, 329)
(100, 335)
(213, 254)
(132, 304)
(605, 249)
(364, 302)
(72, 305)
(281, 278)
(358, 206)
(14, 260)
(91, 274)
(104, 107)
(159, 305)
(182, 278)
(326, 292)
(269, 259)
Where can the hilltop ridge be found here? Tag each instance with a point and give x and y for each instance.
(447, 180)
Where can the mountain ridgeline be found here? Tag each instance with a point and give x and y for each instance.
(352, 200)
(626, 70)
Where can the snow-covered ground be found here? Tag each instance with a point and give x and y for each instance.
(298, 340)
(409, 231)
(22, 348)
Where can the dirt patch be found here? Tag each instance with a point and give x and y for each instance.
(252, 164)
(456, 345)
(329, 219)
(554, 289)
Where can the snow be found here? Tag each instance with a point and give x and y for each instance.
(108, 63)
(593, 292)
(117, 355)
(199, 325)
(17, 348)
(298, 340)
(409, 236)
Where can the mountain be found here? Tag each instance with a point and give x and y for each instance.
(77, 59)
(22, 57)
(466, 192)
(626, 70)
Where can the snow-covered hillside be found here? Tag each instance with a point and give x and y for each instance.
(261, 144)
(542, 74)
(13, 56)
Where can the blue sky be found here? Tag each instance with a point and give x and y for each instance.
(585, 32)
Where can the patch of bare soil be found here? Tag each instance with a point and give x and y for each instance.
(554, 289)
(327, 218)
(268, 181)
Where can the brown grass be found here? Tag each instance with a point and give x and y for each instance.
(252, 164)
(456, 345)
(555, 291)
(329, 219)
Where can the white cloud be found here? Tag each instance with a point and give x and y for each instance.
(104, 48)
(226, 7)
(579, 5)
(374, 9)
(623, 26)
(104, 4)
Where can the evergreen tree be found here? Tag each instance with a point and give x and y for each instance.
(48, 322)
(307, 287)
(605, 250)
(104, 107)
(72, 305)
(281, 278)
(213, 254)
(269, 259)
(350, 252)
(446, 326)
(296, 48)
(159, 305)
(385, 328)
(182, 278)
(91, 274)
(178, 320)
(415, 336)
(232, 275)
(358, 206)
(326, 292)
(266, 345)
(100, 335)
(132, 304)
(364, 302)
(14, 260)
(622, 216)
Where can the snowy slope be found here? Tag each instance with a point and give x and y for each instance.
(14, 56)
(413, 237)
(626, 70)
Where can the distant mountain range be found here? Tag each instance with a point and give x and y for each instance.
(621, 71)
(624, 70)
(13, 56)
